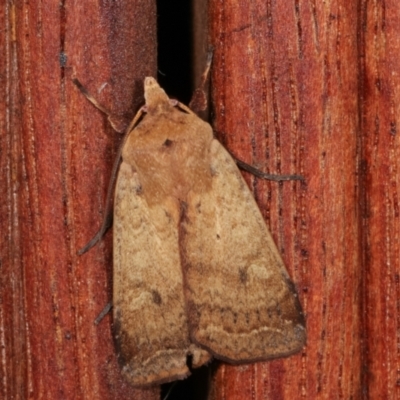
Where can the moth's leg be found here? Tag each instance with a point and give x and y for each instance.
(108, 216)
(105, 226)
(263, 175)
(103, 313)
(199, 101)
(118, 126)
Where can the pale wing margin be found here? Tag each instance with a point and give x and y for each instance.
(241, 303)
(150, 322)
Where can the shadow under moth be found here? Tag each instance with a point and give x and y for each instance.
(196, 271)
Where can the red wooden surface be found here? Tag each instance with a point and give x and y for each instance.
(285, 93)
(297, 87)
(313, 88)
(57, 152)
(380, 174)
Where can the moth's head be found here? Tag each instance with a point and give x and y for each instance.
(153, 94)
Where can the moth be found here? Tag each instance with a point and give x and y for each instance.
(196, 271)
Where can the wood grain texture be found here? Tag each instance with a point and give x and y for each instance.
(289, 88)
(380, 174)
(55, 158)
(285, 98)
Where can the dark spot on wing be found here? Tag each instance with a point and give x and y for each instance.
(139, 189)
(168, 143)
(156, 297)
(243, 275)
(168, 215)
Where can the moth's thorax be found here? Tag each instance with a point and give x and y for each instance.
(170, 151)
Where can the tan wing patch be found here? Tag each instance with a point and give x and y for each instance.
(241, 303)
(150, 321)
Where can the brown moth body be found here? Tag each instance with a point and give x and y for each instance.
(196, 271)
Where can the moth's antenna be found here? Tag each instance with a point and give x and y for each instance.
(170, 390)
(107, 220)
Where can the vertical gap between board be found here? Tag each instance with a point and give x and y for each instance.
(182, 50)
(175, 48)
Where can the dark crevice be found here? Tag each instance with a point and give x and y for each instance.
(63, 23)
(195, 387)
(175, 75)
(174, 35)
